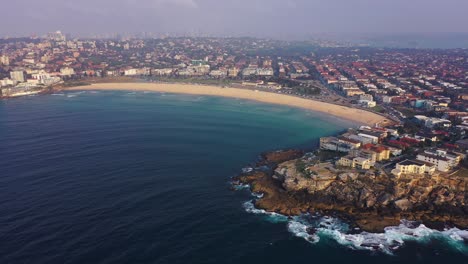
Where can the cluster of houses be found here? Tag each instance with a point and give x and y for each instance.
(367, 148)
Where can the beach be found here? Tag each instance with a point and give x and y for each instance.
(351, 114)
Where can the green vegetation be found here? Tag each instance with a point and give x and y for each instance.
(378, 109)
(408, 112)
(306, 90)
(301, 167)
(75, 83)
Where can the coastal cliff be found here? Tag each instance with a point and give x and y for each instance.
(370, 200)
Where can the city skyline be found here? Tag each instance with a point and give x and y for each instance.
(259, 18)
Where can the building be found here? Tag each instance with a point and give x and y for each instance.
(67, 71)
(218, 73)
(4, 60)
(57, 36)
(7, 82)
(367, 104)
(233, 72)
(163, 72)
(443, 160)
(265, 72)
(413, 167)
(18, 76)
(338, 144)
(366, 97)
(350, 92)
(374, 137)
(355, 162)
(381, 152)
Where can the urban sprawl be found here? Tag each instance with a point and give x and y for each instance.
(424, 92)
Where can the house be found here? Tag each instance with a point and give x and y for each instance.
(355, 162)
(413, 167)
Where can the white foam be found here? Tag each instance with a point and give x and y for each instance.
(257, 195)
(393, 237)
(316, 228)
(74, 94)
(241, 186)
(301, 230)
(271, 217)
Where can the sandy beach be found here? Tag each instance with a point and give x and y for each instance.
(352, 114)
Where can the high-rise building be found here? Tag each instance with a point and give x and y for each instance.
(57, 36)
(18, 76)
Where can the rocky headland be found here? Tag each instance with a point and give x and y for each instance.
(370, 200)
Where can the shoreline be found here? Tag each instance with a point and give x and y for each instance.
(342, 197)
(351, 114)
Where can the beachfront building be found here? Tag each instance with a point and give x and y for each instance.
(413, 167)
(233, 72)
(338, 144)
(18, 76)
(67, 71)
(443, 160)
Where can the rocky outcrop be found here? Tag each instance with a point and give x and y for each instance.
(371, 202)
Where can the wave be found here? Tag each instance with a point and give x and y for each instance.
(316, 228)
(75, 94)
(249, 207)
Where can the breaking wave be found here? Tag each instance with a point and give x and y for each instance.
(270, 216)
(316, 228)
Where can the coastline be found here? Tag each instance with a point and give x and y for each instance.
(370, 203)
(351, 114)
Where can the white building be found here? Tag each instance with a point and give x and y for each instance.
(338, 144)
(355, 162)
(41, 75)
(67, 71)
(135, 72)
(443, 160)
(131, 72)
(374, 139)
(18, 76)
(7, 82)
(368, 104)
(163, 72)
(218, 73)
(4, 60)
(413, 167)
(265, 72)
(366, 97)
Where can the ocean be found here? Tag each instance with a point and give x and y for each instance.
(137, 177)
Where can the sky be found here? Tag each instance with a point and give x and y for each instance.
(257, 18)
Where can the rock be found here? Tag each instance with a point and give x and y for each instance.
(403, 204)
(372, 203)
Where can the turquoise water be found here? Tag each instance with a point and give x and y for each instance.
(121, 177)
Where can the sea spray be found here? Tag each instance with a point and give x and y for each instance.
(316, 228)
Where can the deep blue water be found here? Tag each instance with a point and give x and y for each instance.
(119, 177)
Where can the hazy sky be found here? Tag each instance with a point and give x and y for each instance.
(233, 17)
